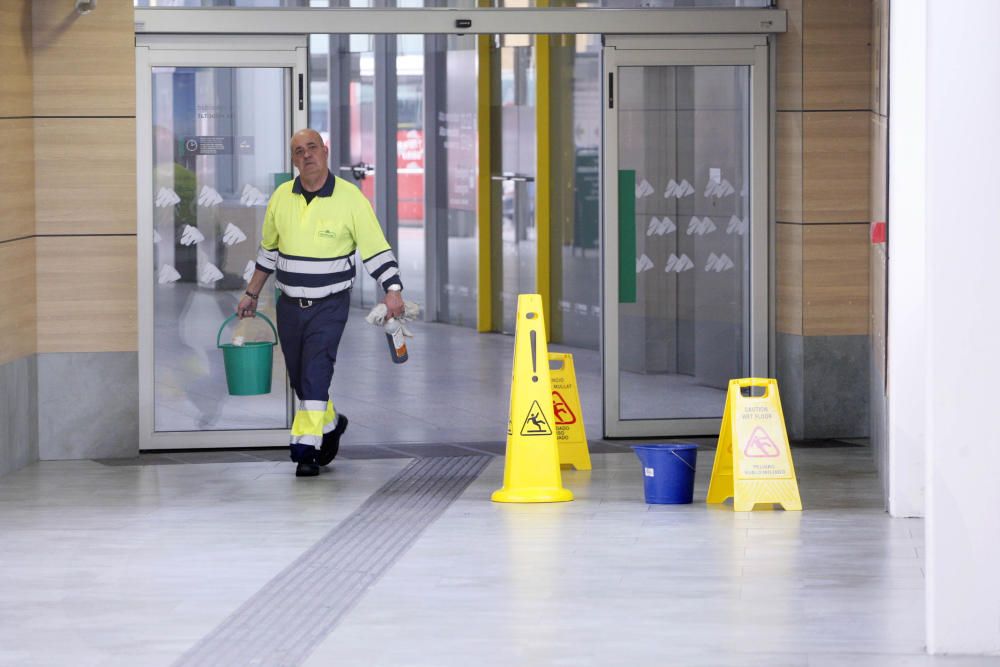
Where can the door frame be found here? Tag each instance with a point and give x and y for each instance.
(253, 36)
(195, 51)
(744, 50)
(445, 21)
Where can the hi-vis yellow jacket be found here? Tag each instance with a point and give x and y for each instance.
(312, 245)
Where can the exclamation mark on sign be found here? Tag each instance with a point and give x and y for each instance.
(534, 359)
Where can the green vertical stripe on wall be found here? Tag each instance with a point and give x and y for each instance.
(626, 236)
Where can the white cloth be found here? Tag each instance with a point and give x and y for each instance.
(410, 312)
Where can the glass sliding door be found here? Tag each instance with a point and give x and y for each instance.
(400, 105)
(411, 136)
(214, 146)
(451, 172)
(353, 136)
(575, 159)
(686, 235)
(515, 232)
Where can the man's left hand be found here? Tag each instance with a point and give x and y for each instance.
(394, 304)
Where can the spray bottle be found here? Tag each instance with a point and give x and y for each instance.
(397, 342)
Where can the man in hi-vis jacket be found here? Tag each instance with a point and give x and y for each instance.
(312, 228)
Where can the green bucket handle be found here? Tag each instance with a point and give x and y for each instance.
(218, 337)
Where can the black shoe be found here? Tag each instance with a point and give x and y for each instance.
(306, 469)
(331, 442)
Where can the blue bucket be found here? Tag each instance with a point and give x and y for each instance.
(668, 472)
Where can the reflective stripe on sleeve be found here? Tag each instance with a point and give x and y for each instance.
(373, 264)
(267, 259)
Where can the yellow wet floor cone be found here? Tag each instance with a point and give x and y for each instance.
(531, 471)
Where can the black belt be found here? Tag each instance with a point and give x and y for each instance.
(303, 302)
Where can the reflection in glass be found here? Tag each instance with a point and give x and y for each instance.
(410, 137)
(342, 108)
(514, 185)
(452, 64)
(684, 134)
(576, 181)
(219, 150)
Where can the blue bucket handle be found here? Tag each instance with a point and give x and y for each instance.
(681, 459)
(218, 336)
(672, 450)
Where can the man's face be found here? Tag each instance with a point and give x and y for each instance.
(309, 154)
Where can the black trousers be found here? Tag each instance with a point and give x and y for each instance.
(310, 336)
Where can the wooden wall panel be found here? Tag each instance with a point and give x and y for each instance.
(15, 54)
(789, 59)
(878, 77)
(17, 179)
(788, 167)
(835, 265)
(85, 175)
(87, 294)
(84, 65)
(17, 300)
(879, 190)
(788, 266)
(836, 54)
(835, 166)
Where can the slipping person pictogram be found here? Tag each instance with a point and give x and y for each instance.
(564, 415)
(535, 423)
(312, 228)
(761, 445)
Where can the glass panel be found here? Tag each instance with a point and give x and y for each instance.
(342, 109)
(454, 67)
(576, 199)
(684, 332)
(618, 4)
(518, 242)
(219, 149)
(410, 163)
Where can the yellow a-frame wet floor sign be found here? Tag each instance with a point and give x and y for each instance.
(570, 432)
(753, 463)
(531, 471)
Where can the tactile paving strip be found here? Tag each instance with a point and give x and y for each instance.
(289, 617)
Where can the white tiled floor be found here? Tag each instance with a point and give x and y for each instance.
(131, 565)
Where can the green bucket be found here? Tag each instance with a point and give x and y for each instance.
(248, 366)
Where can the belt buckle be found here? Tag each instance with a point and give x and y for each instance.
(305, 303)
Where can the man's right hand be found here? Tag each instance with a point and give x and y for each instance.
(247, 307)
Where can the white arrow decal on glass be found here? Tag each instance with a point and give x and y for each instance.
(644, 263)
(191, 235)
(248, 270)
(233, 235)
(209, 197)
(168, 274)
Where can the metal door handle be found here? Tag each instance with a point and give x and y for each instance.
(515, 178)
(359, 170)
